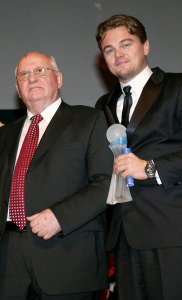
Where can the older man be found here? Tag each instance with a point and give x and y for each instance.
(53, 188)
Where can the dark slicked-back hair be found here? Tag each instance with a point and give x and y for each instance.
(133, 26)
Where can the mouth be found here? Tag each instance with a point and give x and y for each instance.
(122, 63)
(35, 88)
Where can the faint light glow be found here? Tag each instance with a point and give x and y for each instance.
(98, 5)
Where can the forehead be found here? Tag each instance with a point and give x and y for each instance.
(116, 35)
(33, 60)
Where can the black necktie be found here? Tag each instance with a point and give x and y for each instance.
(126, 105)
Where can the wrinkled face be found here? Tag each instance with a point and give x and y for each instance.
(38, 90)
(124, 53)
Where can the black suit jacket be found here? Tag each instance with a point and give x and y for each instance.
(154, 218)
(70, 174)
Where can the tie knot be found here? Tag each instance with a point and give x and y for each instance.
(36, 119)
(127, 89)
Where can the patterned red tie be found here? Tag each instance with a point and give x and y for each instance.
(17, 194)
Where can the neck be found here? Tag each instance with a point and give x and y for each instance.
(39, 106)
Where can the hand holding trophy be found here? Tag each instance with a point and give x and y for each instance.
(119, 188)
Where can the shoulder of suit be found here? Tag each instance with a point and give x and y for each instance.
(10, 124)
(77, 108)
(86, 114)
(101, 102)
(84, 110)
(81, 113)
(161, 75)
(4, 130)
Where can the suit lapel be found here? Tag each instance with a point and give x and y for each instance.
(13, 141)
(59, 122)
(149, 95)
(147, 98)
(111, 104)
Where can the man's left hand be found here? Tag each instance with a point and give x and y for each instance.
(44, 224)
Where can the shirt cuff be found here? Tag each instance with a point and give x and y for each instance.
(158, 178)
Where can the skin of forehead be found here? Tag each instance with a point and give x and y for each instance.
(32, 54)
(113, 29)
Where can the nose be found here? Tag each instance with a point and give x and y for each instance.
(32, 77)
(119, 52)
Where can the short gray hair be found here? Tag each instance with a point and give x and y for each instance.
(53, 63)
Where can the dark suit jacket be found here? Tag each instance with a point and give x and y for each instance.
(154, 218)
(70, 174)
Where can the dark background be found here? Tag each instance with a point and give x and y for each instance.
(66, 29)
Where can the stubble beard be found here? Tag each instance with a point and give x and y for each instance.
(127, 76)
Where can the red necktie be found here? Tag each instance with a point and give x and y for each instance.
(17, 194)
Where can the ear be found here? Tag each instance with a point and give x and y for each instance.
(59, 79)
(146, 47)
(18, 90)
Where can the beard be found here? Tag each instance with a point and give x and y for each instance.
(128, 74)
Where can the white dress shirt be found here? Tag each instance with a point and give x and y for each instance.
(137, 84)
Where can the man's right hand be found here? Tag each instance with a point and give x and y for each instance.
(1, 124)
(130, 165)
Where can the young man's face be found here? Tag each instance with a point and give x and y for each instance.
(124, 53)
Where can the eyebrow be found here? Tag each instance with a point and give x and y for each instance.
(121, 42)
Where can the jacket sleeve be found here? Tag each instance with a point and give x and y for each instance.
(89, 202)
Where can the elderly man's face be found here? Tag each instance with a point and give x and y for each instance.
(36, 90)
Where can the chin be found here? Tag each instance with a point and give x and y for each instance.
(36, 97)
(125, 76)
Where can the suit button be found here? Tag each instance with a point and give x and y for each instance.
(5, 203)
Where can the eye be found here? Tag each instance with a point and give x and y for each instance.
(40, 70)
(109, 51)
(23, 74)
(126, 45)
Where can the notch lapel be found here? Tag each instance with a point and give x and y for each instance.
(13, 141)
(149, 95)
(111, 104)
(59, 122)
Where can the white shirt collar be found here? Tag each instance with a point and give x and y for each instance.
(139, 81)
(48, 112)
